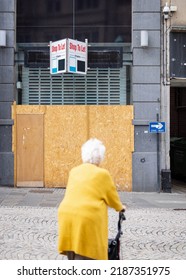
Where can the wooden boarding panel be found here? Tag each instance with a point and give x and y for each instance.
(60, 131)
(30, 150)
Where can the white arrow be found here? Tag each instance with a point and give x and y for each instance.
(158, 125)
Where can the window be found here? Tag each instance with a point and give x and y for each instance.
(53, 6)
(37, 57)
(107, 81)
(86, 4)
(177, 54)
(92, 37)
(105, 58)
(98, 57)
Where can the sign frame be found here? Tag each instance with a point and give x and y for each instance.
(77, 56)
(58, 56)
(68, 56)
(157, 127)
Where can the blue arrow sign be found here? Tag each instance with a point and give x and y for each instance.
(157, 127)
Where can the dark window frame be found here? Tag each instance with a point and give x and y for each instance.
(104, 53)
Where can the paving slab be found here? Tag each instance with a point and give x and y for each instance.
(155, 227)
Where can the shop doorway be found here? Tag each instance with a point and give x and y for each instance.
(178, 138)
(30, 150)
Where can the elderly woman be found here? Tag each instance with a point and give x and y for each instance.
(83, 213)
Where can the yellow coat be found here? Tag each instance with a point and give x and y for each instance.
(83, 213)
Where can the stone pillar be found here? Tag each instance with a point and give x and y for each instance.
(7, 89)
(146, 88)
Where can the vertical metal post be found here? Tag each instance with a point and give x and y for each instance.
(165, 97)
(165, 107)
(73, 19)
(158, 159)
(86, 65)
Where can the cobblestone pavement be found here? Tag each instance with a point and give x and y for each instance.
(154, 234)
(30, 232)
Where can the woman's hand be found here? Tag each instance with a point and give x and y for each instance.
(124, 208)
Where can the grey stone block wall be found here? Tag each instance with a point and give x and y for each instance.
(145, 87)
(7, 89)
(146, 93)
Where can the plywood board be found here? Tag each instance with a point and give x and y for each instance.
(30, 152)
(49, 140)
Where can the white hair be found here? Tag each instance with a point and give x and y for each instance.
(93, 151)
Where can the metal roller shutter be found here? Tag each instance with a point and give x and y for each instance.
(99, 87)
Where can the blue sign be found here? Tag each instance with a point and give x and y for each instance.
(157, 127)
